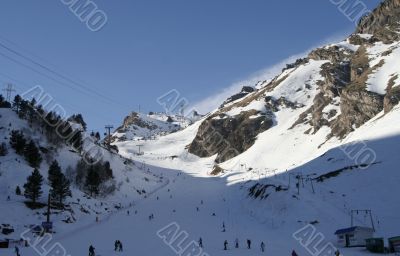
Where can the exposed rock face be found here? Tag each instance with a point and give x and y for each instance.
(229, 136)
(275, 104)
(337, 76)
(344, 89)
(357, 107)
(134, 119)
(383, 22)
(245, 91)
(392, 97)
(333, 53)
(345, 77)
(297, 63)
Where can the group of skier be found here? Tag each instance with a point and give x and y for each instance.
(248, 243)
(117, 247)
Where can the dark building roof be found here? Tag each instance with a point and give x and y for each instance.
(350, 230)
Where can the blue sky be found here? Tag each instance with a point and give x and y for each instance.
(149, 47)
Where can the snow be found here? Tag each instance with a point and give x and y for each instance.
(347, 45)
(14, 171)
(156, 125)
(277, 154)
(366, 164)
(379, 79)
(294, 88)
(258, 105)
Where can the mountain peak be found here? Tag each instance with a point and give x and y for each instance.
(383, 22)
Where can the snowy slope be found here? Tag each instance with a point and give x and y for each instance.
(138, 126)
(130, 177)
(350, 86)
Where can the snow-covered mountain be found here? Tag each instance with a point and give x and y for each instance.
(138, 126)
(329, 121)
(312, 146)
(131, 181)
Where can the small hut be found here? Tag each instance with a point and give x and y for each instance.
(354, 236)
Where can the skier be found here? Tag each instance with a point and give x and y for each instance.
(225, 245)
(337, 253)
(223, 227)
(248, 244)
(128, 213)
(17, 250)
(197, 209)
(237, 243)
(294, 253)
(120, 246)
(262, 247)
(91, 251)
(201, 243)
(116, 245)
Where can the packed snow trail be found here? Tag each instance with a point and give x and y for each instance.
(108, 217)
(177, 202)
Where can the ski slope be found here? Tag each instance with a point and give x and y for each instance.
(177, 202)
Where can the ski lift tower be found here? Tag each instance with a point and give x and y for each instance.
(140, 152)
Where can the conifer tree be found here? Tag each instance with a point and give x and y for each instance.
(3, 149)
(59, 184)
(33, 186)
(17, 141)
(32, 155)
(92, 181)
(18, 191)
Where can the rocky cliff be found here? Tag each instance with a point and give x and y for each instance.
(338, 87)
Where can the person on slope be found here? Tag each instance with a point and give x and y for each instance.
(120, 248)
(225, 245)
(17, 250)
(201, 243)
(116, 245)
(91, 250)
(248, 244)
(237, 243)
(262, 247)
(294, 253)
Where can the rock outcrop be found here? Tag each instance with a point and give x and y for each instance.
(342, 102)
(229, 136)
(383, 22)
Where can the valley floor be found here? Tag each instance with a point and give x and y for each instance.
(175, 202)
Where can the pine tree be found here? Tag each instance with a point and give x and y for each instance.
(4, 103)
(3, 149)
(54, 169)
(97, 135)
(76, 141)
(92, 181)
(78, 118)
(18, 141)
(59, 186)
(17, 103)
(33, 186)
(108, 171)
(18, 191)
(32, 155)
